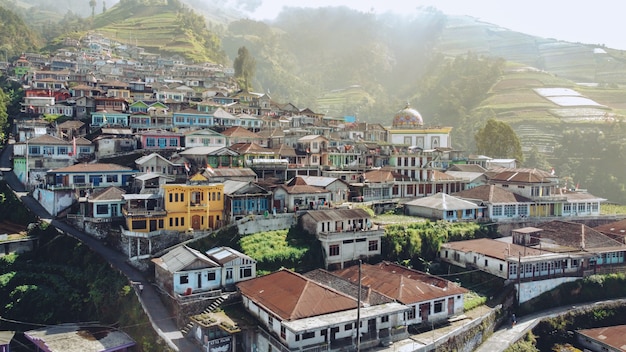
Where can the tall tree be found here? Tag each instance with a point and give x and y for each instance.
(92, 4)
(498, 140)
(245, 68)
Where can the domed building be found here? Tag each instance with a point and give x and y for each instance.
(407, 129)
(407, 118)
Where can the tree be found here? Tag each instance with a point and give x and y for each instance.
(245, 68)
(537, 160)
(92, 4)
(498, 140)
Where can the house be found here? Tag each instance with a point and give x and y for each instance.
(473, 174)
(346, 235)
(239, 134)
(298, 313)
(443, 207)
(37, 155)
(216, 157)
(431, 299)
(204, 138)
(498, 203)
(604, 339)
(184, 270)
(243, 198)
(71, 129)
(554, 253)
(224, 174)
(297, 195)
(195, 205)
(81, 337)
(215, 331)
(114, 141)
(314, 146)
(159, 140)
(339, 189)
(103, 205)
(106, 118)
(64, 186)
(236, 266)
(154, 162)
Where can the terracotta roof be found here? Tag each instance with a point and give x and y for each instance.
(110, 193)
(97, 167)
(403, 284)
(243, 148)
(238, 131)
(492, 194)
(285, 150)
(383, 175)
(47, 139)
(292, 296)
(303, 189)
(71, 124)
(613, 336)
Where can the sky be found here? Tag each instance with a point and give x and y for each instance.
(589, 22)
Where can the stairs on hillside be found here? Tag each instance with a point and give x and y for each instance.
(211, 308)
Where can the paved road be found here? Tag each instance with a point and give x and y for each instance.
(159, 316)
(504, 337)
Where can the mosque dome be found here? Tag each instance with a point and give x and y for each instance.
(407, 117)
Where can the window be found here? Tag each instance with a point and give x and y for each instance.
(34, 149)
(497, 210)
(486, 262)
(522, 210)
(509, 210)
(102, 209)
(581, 207)
(410, 315)
(245, 271)
(438, 308)
(283, 332)
(333, 250)
(162, 142)
(501, 267)
(373, 246)
(139, 224)
(308, 335)
(62, 150)
(150, 142)
(173, 142)
(211, 276)
(184, 279)
(347, 327)
(270, 320)
(79, 178)
(112, 178)
(48, 150)
(567, 207)
(384, 319)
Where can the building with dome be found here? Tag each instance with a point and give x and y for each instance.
(407, 130)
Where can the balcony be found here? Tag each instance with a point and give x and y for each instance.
(142, 212)
(59, 187)
(376, 231)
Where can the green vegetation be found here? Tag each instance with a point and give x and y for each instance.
(62, 281)
(498, 140)
(613, 209)
(245, 68)
(292, 249)
(417, 244)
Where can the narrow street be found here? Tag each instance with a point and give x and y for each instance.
(150, 299)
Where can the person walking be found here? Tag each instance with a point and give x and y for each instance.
(140, 288)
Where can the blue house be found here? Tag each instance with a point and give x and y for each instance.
(192, 118)
(104, 118)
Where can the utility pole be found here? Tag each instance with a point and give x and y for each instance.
(358, 314)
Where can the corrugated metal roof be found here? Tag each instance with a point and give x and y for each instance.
(224, 255)
(491, 194)
(110, 193)
(96, 167)
(291, 296)
(182, 257)
(442, 201)
(613, 336)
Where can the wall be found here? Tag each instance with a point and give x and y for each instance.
(258, 223)
(53, 202)
(530, 290)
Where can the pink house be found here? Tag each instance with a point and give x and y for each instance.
(160, 139)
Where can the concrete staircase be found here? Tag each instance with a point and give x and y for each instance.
(211, 308)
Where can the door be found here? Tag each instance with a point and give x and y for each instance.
(229, 276)
(195, 222)
(153, 225)
(450, 305)
(424, 311)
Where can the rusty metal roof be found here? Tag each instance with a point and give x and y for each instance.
(613, 336)
(292, 296)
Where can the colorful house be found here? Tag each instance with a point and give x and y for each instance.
(160, 140)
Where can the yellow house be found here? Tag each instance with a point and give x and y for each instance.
(196, 205)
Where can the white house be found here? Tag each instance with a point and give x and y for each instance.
(443, 207)
(235, 265)
(346, 235)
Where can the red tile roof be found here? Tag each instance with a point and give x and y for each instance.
(292, 296)
(613, 336)
(238, 131)
(403, 284)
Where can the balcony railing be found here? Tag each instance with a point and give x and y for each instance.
(141, 212)
(72, 186)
